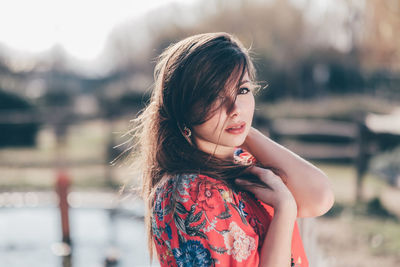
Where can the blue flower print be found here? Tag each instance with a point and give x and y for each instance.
(168, 230)
(192, 253)
(157, 206)
(158, 209)
(154, 227)
(241, 209)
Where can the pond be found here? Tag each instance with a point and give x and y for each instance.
(30, 236)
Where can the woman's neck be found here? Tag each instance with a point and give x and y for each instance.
(219, 151)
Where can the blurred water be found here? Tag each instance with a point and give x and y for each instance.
(27, 236)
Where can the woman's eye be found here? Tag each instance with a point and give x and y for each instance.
(244, 90)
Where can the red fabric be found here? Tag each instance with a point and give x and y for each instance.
(212, 225)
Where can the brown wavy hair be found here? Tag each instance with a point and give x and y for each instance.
(189, 76)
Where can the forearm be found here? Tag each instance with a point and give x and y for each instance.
(310, 187)
(276, 249)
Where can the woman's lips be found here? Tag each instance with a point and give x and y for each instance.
(237, 128)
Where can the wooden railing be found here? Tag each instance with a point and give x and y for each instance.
(335, 142)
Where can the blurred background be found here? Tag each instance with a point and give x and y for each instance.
(74, 73)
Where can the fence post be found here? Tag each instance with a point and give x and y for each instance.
(362, 158)
(62, 186)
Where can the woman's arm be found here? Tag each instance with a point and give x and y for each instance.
(276, 249)
(310, 187)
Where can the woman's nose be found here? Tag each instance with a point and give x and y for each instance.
(235, 109)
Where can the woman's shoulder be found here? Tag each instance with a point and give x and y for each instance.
(186, 181)
(189, 178)
(193, 187)
(205, 221)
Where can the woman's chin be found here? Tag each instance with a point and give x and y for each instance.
(237, 142)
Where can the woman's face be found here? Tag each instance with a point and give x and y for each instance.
(227, 128)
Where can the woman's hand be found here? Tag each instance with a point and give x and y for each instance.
(279, 197)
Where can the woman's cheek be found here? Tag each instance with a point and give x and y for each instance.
(251, 105)
(210, 129)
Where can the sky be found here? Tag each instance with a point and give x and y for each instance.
(81, 27)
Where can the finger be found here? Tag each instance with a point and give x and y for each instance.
(253, 187)
(243, 182)
(253, 170)
(263, 174)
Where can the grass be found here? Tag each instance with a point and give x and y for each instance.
(343, 107)
(383, 235)
(359, 234)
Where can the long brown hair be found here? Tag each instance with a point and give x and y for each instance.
(189, 76)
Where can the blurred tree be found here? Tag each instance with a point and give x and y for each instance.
(14, 129)
(381, 39)
(301, 50)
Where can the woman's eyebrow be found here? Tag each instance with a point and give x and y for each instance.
(244, 81)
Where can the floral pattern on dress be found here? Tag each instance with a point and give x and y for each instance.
(209, 225)
(207, 197)
(238, 244)
(192, 253)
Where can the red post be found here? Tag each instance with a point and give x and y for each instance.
(62, 186)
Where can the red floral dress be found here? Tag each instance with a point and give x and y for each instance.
(212, 225)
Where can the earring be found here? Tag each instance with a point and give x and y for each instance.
(187, 131)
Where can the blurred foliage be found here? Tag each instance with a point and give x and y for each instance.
(387, 166)
(333, 107)
(300, 52)
(9, 101)
(295, 57)
(57, 98)
(375, 208)
(335, 211)
(127, 102)
(380, 45)
(372, 207)
(16, 134)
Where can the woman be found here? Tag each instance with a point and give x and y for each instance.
(194, 140)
